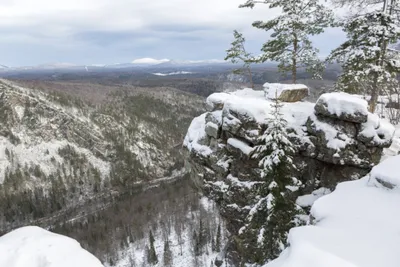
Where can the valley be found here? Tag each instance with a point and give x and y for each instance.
(101, 162)
(99, 157)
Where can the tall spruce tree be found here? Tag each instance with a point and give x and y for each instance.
(238, 54)
(167, 257)
(272, 217)
(290, 43)
(152, 255)
(218, 239)
(368, 66)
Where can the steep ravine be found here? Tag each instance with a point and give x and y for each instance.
(57, 151)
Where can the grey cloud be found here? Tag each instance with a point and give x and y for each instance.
(126, 29)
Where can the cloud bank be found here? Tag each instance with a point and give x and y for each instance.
(112, 31)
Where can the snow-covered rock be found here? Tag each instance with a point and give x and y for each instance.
(286, 92)
(212, 129)
(376, 132)
(355, 226)
(343, 106)
(309, 199)
(242, 146)
(330, 147)
(387, 173)
(35, 247)
(196, 136)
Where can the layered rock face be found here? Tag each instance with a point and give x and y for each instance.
(336, 139)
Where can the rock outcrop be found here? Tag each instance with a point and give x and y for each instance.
(335, 139)
(286, 92)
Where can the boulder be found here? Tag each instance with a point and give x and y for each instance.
(376, 132)
(212, 130)
(216, 101)
(386, 173)
(342, 106)
(286, 92)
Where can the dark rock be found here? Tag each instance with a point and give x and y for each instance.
(212, 130)
(293, 95)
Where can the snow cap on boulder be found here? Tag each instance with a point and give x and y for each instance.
(342, 106)
(286, 92)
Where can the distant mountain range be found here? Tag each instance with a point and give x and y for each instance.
(137, 63)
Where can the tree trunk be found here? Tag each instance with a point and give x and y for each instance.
(294, 60)
(250, 78)
(376, 91)
(374, 94)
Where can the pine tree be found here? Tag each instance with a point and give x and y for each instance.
(152, 255)
(218, 239)
(167, 257)
(238, 54)
(275, 213)
(290, 43)
(368, 66)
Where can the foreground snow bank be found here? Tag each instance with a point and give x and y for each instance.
(35, 247)
(355, 226)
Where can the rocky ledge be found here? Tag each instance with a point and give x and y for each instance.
(336, 139)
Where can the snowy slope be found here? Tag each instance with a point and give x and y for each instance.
(355, 226)
(35, 247)
(57, 151)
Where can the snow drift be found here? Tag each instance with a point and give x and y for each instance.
(35, 247)
(355, 226)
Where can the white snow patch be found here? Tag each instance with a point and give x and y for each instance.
(20, 111)
(196, 133)
(245, 148)
(249, 93)
(308, 200)
(340, 103)
(35, 247)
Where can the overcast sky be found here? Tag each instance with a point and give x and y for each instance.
(114, 31)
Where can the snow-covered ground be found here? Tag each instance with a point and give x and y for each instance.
(35, 247)
(42, 154)
(181, 245)
(355, 226)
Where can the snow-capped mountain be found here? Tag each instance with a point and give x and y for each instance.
(141, 63)
(149, 61)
